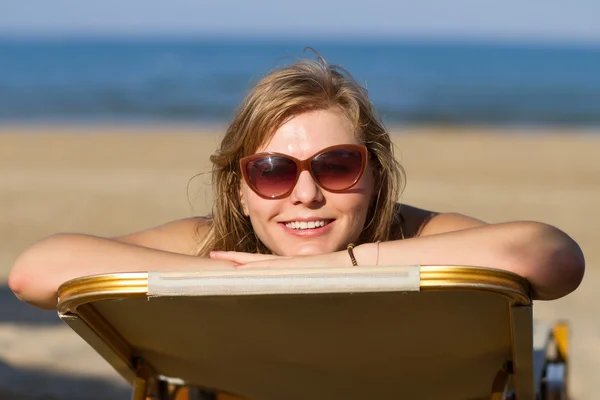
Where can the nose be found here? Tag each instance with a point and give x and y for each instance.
(306, 190)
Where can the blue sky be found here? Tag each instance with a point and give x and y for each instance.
(563, 20)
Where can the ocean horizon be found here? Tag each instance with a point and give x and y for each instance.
(187, 80)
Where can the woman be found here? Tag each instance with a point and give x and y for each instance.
(305, 171)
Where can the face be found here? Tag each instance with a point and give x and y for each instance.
(279, 222)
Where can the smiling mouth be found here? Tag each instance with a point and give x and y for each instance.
(304, 225)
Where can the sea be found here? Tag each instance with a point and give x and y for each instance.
(191, 80)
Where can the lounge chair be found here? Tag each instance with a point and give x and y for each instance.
(405, 332)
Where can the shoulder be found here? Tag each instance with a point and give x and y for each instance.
(180, 236)
(417, 222)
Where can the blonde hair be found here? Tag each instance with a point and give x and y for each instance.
(306, 85)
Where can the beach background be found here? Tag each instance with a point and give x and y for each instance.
(107, 136)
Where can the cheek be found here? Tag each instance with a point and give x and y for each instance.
(259, 210)
(367, 184)
(354, 205)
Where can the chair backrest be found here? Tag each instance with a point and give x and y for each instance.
(354, 333)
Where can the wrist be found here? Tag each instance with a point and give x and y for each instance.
(342, 258)
(366, 254)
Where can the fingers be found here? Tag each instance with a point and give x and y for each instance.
(276, 262)
(232, 256)
(239, 257)
(258, 264)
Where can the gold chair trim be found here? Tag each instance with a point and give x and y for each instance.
(76, 292)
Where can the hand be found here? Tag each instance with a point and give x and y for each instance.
(241, 258)
(251, 260)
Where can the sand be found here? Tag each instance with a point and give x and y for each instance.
(108, 180)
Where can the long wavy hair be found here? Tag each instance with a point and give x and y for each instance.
(306, 85)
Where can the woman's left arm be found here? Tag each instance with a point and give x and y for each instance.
(548, 258)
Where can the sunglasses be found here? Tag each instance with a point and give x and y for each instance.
(335, 169)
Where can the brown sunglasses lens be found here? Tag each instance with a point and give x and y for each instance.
(337, 169)
(273, 176)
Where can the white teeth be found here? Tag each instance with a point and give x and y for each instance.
(306, 225)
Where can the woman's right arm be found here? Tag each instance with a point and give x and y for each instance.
(43, 267)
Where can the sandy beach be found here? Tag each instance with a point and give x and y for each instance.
(109, 180)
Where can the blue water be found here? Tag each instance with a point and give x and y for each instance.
(204, 80)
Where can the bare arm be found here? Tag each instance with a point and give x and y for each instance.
(43, 267)
(548, 258)
(552, 262)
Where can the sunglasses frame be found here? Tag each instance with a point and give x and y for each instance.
(305, 165)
